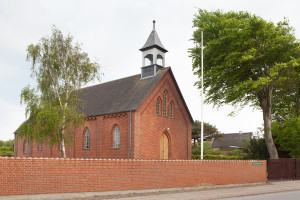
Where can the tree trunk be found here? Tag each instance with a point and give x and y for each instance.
(63, 148)
(266, 105)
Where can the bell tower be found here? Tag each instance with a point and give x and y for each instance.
(153, 55)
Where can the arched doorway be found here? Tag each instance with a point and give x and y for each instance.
(164, 146)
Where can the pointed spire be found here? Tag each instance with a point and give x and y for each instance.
(153, 41)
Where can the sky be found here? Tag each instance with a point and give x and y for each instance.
(112, 32)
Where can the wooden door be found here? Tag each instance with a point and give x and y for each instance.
(164, 146)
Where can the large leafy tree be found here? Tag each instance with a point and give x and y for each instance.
(60, 68)
(209, 131)
(287, 136)
(246, 59)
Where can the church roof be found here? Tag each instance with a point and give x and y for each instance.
(231, 140)
(121, 95)
(153, 41)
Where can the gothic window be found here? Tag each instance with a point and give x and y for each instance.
(87, 139)
(25, 146)
(158, 106)
(40, 145)
(165, 103)
(116, 135)
(171, 110)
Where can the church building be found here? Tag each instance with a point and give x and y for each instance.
(138, 117)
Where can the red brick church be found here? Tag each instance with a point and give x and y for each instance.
(138, 117)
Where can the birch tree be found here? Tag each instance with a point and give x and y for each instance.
(60, 69)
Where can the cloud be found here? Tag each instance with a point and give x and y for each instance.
(11, 118)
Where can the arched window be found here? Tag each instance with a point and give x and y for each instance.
(116, 143)
(165, 103)
(41, 145)
(159, 60)
(87, 139)
(158, 106)
(25, 146)
(148, 59)
(171, 110)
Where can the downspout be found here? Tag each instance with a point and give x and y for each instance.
(130, 136)
(29, 153)
(15, 142)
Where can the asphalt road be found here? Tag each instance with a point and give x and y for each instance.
(293, 195)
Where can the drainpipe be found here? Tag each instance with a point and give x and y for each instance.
(29, 153)
(15, 142)
(130, 136)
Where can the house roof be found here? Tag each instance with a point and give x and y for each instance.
(231, 140)
(121, 95)
(153, 41)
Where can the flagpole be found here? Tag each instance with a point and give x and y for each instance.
(201, 94)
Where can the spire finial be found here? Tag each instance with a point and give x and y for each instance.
(153, 24)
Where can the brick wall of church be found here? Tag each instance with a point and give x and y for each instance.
(101, 140)
(152, 125)
(147, 128)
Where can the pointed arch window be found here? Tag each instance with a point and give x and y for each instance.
(87, 139)
(158, 106)
(41, 145)
(171, 110)
(165, 104)
(25, 146)
(116, 135)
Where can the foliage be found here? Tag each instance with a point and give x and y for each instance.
(246, 59)
(210, 131)
(287, 104)
(287, 135)
(221, 155)
(7, 148)
(208, 153)
(206, 148)
(60, 68)
(256, 148)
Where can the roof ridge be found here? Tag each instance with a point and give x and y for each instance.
(110, 81)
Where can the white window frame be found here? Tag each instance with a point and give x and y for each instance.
(87, 139)
(40, 145)
(116, 138)
(158, 106)
(165, 104)
(25, 146)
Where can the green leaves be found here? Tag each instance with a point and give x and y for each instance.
(60, 68)
(287, 135)
(243, 54)
(247, 60)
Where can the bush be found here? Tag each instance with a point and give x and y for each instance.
(206, 148)
(6, 153)
(256, 149)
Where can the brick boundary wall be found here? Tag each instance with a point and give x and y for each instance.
(55, 175)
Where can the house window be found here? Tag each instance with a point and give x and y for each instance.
(171, 110)
(116, 143)
(87, 139)
(40, 145)
(165, 103)
(158, 106)
(25, 146)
